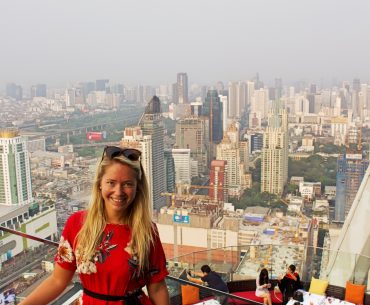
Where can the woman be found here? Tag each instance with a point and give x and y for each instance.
(262, 284)
(289, 283)
(114, 246)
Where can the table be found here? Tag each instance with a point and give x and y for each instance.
(208, 302)
(315, 299)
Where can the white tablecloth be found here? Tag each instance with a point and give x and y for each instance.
(208, 302)
(315, 299)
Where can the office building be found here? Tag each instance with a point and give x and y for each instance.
(192, 133)
(169, 165)
(212, 108)
(182, 161)
(351, 168)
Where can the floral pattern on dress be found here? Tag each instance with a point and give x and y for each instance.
(133, 263)
(65, 252)
(100, 256)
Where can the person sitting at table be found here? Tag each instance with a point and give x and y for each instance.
(289, 283)
(263, 285)
(213, 280)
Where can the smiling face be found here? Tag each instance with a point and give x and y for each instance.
(118, 188)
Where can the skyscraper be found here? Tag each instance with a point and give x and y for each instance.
(14, 91)
(351, 169)
(278, 88)
(38, 90)
(151, 124)
(274, 163)
(212, 108)
(237, 99)
(182, 88)
(170, 171)
(192, 133)
(101, 84)
(15, 174)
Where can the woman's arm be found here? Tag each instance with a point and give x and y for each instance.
(194, 280)
(197, 273)
(158, 293)
(49, 289)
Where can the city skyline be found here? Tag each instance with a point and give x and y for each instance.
(144, 42)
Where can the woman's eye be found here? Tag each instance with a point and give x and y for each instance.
(110, 183)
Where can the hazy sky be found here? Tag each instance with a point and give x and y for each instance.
(57, 42)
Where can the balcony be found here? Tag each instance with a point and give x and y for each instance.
(238, 266)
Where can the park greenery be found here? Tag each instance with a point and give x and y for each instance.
(314, 169)
(254, 197)
(329, 148)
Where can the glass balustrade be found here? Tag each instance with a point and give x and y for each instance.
(22, 271)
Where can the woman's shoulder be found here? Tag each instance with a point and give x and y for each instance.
(77, 218)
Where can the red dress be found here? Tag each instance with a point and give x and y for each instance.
(113, 270)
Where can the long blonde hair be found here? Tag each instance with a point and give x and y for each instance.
(137, 217)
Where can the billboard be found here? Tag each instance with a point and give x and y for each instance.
(96, 136)
(181, 218)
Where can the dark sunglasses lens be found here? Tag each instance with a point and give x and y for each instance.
(112, 151)
(132, 154)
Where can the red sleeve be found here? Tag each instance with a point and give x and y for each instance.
(158, 270)
(65, 256)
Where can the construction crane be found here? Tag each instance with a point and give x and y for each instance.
(173, 196)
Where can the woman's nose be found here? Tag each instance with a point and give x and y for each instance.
(119, 189)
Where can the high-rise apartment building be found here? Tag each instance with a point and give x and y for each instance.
(133, 137)
(182, 88)
(15, 173)
(236, 156)
(259, 103)
(237, 99)
(274, 167)
(151, 124)
(218, 181)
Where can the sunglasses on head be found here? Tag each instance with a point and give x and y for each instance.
(130, 153)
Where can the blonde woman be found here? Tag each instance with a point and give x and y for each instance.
(114, 246)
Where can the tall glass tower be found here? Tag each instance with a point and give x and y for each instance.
(15, 174)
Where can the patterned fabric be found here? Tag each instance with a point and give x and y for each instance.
(113, 270)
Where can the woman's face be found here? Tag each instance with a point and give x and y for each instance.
(118, 188)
